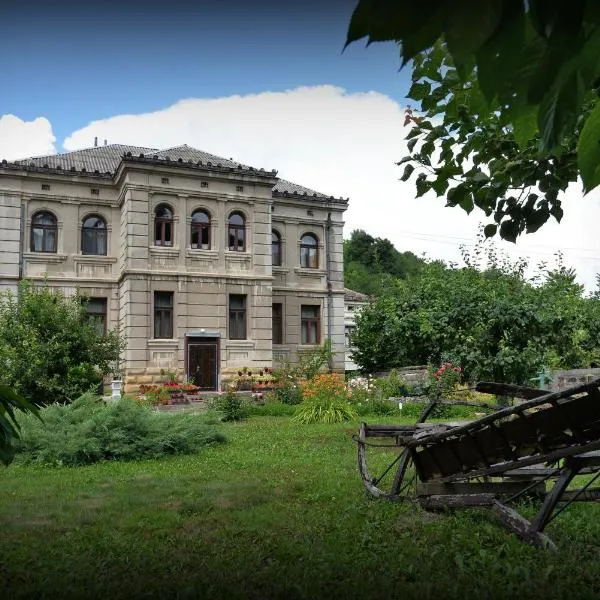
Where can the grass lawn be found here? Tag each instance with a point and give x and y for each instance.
(279, 511)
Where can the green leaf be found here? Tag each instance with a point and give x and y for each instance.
(419, 90)
(525, 125)
(509, 230)
(558, 110)
(490, 230)
(466, 29)
(456, 195)
(407, 172)
(588, 151)
(423, 186)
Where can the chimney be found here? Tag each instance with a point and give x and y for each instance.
(105, 142)
(95, 142)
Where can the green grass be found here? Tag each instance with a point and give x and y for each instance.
(279, 511)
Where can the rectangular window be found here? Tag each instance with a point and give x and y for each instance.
(310, 324)
(163, 315)
(237, 317)
(96, 313)
(278, 323)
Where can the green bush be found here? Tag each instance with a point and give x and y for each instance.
(49, 349)
(382, 408)
(325, 399)
(231, 407)
(88, 430)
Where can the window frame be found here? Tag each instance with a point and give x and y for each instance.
(101, 316)
(238, 317)
(200, 227)
(99, 232)
(277, 323)
(45, 228)
(307, 323)
(162, 222)
(305, 252)
(276, 243)
(165, 315)
(235, 228)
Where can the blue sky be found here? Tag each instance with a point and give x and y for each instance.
(73, 65)
(263, 82)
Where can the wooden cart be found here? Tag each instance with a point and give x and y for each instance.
(533, 449)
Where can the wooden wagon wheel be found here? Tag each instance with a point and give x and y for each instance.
(392, 474)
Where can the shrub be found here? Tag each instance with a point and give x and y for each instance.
(230, 406)
(325, 399)
(88, 430)
(49, 350)
(443, 382)
(393, 386)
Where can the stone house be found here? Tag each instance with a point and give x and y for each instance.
(204, 264)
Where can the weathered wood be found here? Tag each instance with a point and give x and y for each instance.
(540, 520)
(523, 462)
(362, 466)
(508, 389)
(497, 488)
(522, 527)
(513, 410)
(513, 446)
(589, 495)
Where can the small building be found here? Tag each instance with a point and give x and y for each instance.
(205, 265)
(353, 303)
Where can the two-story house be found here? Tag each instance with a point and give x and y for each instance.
(205, 265)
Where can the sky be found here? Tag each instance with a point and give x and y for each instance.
(265, 83)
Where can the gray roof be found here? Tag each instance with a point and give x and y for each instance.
(352, 296)
(103, 161)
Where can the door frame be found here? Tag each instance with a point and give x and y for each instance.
(204, 338)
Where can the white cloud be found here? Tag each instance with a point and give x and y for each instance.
(344, 144)
(19, 139)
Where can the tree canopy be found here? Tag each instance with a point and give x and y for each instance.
(507, 94)
(496, 323)
(369, 262)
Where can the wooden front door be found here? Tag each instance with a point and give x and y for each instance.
(202, 364)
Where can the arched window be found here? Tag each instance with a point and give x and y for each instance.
(163, 226)
(44, 232)
(276, 248)
(200, 230)
(309, 251)
(237, 232)
(93, 235)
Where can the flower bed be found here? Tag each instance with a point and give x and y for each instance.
(166, 393)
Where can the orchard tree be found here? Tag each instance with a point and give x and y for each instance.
(507, 96)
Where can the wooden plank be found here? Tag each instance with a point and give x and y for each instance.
(511, 410)
(497, 488)
(523, 462)
(508, 389)
(513, 521)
